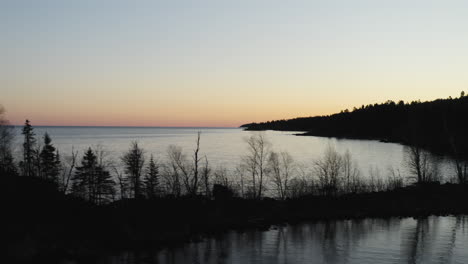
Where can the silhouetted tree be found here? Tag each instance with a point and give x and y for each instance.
(352, 181)
(206, 177)
(328, 170)
(192, 182)
(151, 179)
(221, 177)
(104, 186)
(7, 164)
(180, 167)
(134, 160)
(375, 182)
(50, 160)
(420, 164)
(394, 179)
(280, 170)
(240, 175)
(255, 162)
(122, 181)
(175, 169)
(67, 170)
(29, 150)
(91, 181)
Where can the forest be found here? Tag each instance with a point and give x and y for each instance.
(440, 125)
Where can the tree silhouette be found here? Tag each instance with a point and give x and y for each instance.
(7, 164)
(29, 151)
(255, 162)
(151, 179)
(50, 160)
(91, 181)
(280, 172)
(134, 160)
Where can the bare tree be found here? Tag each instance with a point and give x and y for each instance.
(221, 176)
(460, 161)
(350, 174)
(240, 173)
(422, 167)
(193, 181)
(255, 162)
(67, 170)
(298, 187)
(375, 183)
(121, 180)
(172, 171)
(190, 172)
(394, 179)
(179, 162)
(134, 160)
(461, 167)
(328, 170)
(280, 170)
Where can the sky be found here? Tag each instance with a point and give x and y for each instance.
(223, 63)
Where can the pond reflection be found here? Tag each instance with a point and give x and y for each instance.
(395, 240)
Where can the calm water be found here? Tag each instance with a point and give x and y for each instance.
(430, 240)
(407, 240)
(225, 146)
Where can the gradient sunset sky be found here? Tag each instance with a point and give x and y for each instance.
(223, 63)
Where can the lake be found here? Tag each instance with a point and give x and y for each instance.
(395, 240)
(225, 146)
(406, 240)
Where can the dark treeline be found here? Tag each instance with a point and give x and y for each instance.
(262, 171)
(440, 125)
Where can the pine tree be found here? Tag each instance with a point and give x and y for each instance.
(151, 179)
(134, 161)
(29, 152)
(91, 181)
(84, 176)
(104, 186)
(49, 160)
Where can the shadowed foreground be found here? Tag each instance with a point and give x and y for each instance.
(43, 224)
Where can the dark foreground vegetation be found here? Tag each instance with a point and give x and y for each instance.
(45, 224)
(440, 125)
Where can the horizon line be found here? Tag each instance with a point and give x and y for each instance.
(90, 126)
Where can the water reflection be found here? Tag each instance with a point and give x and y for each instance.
(408, 240)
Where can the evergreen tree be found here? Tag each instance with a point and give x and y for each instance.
(134, 161)
(49, 160)
(104, 188)
(82, 180)
(29, 151)
(91, 181)
(151, 179)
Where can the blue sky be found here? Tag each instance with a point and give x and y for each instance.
(223, 63)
